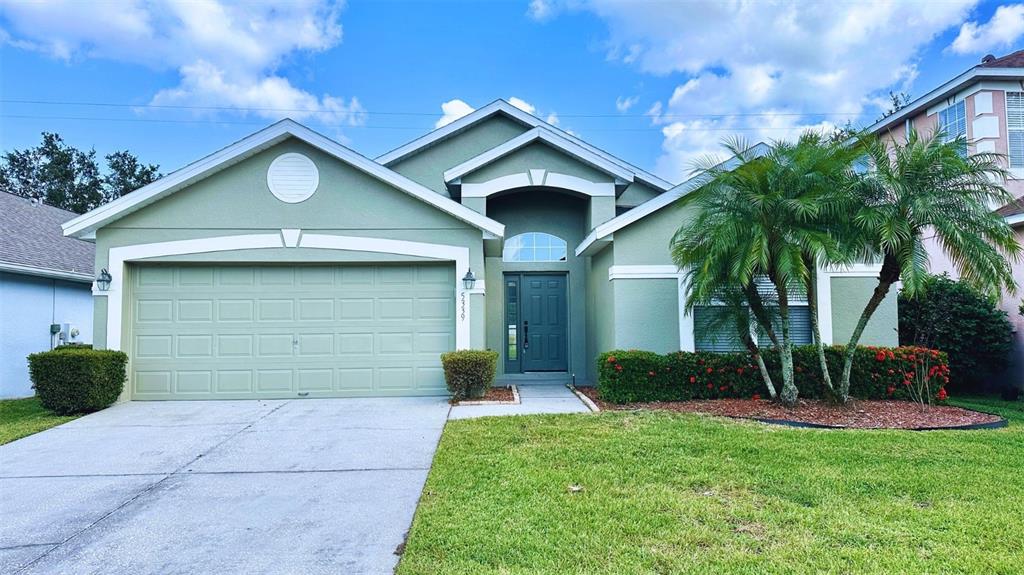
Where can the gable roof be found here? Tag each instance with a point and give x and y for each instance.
(508, 110)
(31, 241)
(1011, 60)
(1009, 67)
(540, 134)
(86, 224)
(600, 234)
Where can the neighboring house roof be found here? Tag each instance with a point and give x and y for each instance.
(85, 225)
(545, 135)
(504, 108)
(1013, 212)
(1008, 67)
(1013, 60)
(602, 233)
(1013, 208)
(31, 241)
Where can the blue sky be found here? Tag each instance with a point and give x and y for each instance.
(647, 81)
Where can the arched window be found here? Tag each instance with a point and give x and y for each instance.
(534, 247)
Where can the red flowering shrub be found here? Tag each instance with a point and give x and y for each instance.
(878, 373)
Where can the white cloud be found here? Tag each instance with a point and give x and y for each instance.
(552, 119)
(453, 110)
(226, 54)
(623, 104)
(540, 10)
(522, 105)
(750, 58)
(1004, 29)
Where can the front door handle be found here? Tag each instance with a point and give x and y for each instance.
(526, 335)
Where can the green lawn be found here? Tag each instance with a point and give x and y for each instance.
(677, 493)
(21, 417)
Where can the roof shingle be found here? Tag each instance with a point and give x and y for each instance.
(1012, 60)
(1012, 209)
(30, 235)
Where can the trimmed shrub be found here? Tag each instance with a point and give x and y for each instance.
(469, 372)
(76, 379)
(955, 318)
(878, 373)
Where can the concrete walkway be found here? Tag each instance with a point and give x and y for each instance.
(534, 398)
(304, 486)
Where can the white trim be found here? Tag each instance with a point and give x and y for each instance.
(253, 144)
(652, 205)
(687, 336)
(538, 134)
(637, 272)
(119, 257)
(1014, 219)
(45, 272)
(499, 184)
(503, 107)
(532, 178)
(931, 98)
(687, 329)
(824, 287)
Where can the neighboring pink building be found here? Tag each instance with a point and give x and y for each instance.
(985, 103)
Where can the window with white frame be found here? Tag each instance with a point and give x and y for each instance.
(534, 247)
(1015, 128)
(953, 121)
(713, 333)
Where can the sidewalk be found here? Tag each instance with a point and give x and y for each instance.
(534, 399)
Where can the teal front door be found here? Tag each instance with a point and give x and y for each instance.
(537, 320)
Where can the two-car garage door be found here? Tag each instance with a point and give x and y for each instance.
(270, 331)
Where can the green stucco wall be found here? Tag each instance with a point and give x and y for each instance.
(536, 156)
(646, 314)
(237, 201)
(636, 194)
(849, 296)
(427, 166)
(646, 242)
(601, 316)
(557, 214)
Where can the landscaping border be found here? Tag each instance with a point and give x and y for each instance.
(807, 425)
(515, 399)
(583, 397)
(1001, 423)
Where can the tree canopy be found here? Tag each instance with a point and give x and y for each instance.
(66, 177)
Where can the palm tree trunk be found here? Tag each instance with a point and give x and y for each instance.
(889, 275)
(789, 390)
(760, 313)
(812, 308)
(765, 376)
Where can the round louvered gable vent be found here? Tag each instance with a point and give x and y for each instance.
(292, 177)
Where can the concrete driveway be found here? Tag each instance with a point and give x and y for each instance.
(296, 486)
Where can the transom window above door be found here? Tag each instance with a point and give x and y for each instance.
(534, 247)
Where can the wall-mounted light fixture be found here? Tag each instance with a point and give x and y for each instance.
(469, 280)
(103, 280)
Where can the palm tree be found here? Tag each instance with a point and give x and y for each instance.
(733, 311)
(761, 214)
(930, 184)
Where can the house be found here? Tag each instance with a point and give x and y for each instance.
(287, 265)
(44, 287)
(986, 105)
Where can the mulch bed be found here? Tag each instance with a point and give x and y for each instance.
(494, 394)
(868, 414)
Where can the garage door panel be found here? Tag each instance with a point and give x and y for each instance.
(277, 331)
